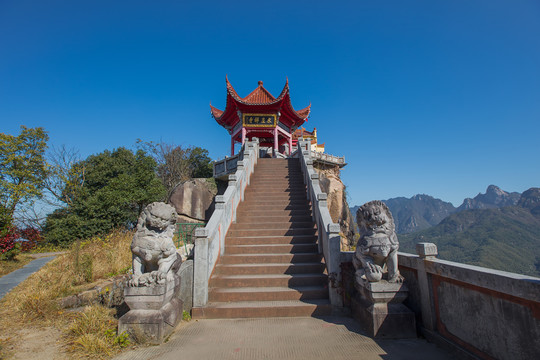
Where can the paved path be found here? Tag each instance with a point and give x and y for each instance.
(328, 338)
(9, 281)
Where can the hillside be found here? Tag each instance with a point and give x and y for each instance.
(418, 213)
(506, 238)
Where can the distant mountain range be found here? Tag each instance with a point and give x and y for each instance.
(423, 211)
(499, 230)
(505, 238)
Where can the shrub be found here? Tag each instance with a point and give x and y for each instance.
(33, 237)
(9, 248)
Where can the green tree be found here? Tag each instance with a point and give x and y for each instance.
(117, 186)
(200, 163)
(176, 164)
(23, 170)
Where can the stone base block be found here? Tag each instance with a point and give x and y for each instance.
(390, 321)
(152, 325)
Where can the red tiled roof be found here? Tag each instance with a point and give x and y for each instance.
(216, 113)
(304, 113)
(259, 97)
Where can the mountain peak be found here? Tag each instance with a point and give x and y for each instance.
(530, 199)
(494, 197)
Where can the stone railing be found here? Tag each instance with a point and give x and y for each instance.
(210, 240)
(329, 239)
(327, 158)
(228, 165)
(472, 311)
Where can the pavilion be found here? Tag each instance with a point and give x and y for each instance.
(260, 115)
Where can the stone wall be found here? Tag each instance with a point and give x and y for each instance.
(472, 311)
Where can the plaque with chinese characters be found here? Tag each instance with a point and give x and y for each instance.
(259, 120)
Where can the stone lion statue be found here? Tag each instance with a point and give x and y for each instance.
(154, 255)
(376, 251)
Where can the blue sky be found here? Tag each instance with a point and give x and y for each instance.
(435, 97)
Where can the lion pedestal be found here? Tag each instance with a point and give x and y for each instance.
(152, 292)
(378, 307)
(154, 311)
(377, 304)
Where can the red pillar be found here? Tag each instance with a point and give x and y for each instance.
(276, 145)
(232, 146)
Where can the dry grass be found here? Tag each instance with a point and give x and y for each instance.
(35, 300)
(7, 266)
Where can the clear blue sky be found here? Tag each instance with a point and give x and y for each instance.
(435, 97)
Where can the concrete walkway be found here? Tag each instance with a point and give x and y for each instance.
(328, 338)
(9, 281)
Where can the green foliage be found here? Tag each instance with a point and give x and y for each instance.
(22, 170)
(176, 164)
(186, 316)
(506, 239)
(200, 163)
(122, 340)
(117, 186)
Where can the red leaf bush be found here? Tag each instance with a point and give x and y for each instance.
(9, 248)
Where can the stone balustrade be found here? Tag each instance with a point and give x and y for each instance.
(329, 239)
(210, 240)
(228, 165)
(472, 311)
(327, 158)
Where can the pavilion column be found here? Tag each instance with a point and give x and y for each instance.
(232, 145)
(276, 145)
(244, 132)
(290, 145)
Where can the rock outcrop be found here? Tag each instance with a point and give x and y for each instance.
(338, 207)
(493, 198)
(194, 200)
(530, 199)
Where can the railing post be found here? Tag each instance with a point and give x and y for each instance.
(200, 268)
(426, 252)
(232, 183)
(334, 271)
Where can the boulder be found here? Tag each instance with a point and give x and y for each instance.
(338, 207)
(194, 199)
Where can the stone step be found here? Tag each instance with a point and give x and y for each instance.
(261, 212)
(271, 191)
(270, 258)
(271, 249)
(250, 197)
(268, 280)
(268, 293)
(274, 218)
(254, 207)
(261, 240)
(267, 269)
(254, 224)
(273, 181)
(272, 232)
(277, 202)
(254, 309)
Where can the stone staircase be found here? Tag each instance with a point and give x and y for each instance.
(271, 266)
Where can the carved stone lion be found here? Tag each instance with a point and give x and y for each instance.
(154, 255)
(378, 245)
